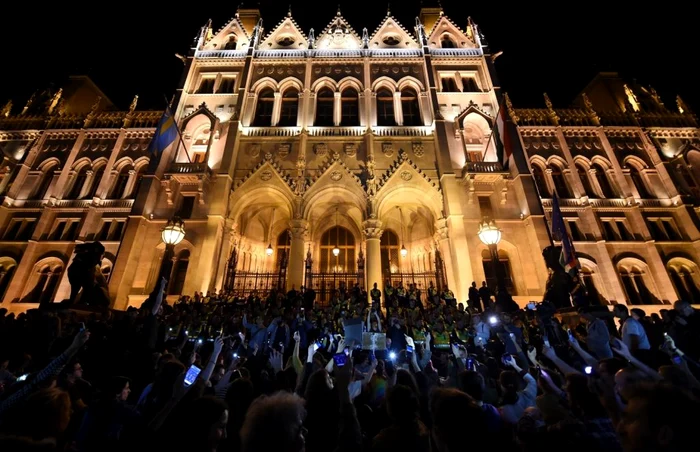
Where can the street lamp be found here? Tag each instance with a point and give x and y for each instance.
(172, 234)
(490, 236)
(269, 250)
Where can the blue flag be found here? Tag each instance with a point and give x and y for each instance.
(568, 257)
(166, 133)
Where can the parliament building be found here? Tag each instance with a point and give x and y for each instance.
(334, 157)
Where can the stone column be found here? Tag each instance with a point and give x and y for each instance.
(372, 230)
(442, 237)
(295, 269)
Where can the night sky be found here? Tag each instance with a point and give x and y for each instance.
(128, 47)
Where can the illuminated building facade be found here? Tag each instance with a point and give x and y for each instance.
(340, 157)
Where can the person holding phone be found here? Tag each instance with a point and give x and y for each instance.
(515, 402)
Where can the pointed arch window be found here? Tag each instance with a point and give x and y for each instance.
(263, 111)
(601, 176)
(585, 181)
(120, 183)
(447, 43)
(325, 100)
(540, 181)
(559, 181)
(345, 241)
(231, 43)
(78, 183)
(639, 182)
(282, 248)
(385, 108)
(390, 248)
(45, 182)
(350, 102)
(95, 183)
(410, 108)
(290, 108)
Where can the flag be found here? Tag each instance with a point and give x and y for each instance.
(502, 134)
(166, 133)
(568, 257)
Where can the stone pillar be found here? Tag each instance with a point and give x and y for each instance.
(372, 230)
(63, 290)
(295, 269)
(442, 237)
(204, 278)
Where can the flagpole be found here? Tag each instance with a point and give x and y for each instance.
(182, 142)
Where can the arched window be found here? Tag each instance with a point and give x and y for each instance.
(282, 248)
(410, 108)
(540, 181)
(179, 273)
(263, 111)
(345, 241)
(290, 108)
(45, 182)
(593, 292)
(601, 176)
(120, 183)
(350, 108)
(389, 251)
(638, 181)
(7, 270)
(385, 108)
(629, 287)
(559, 181)
(231, 43)
(447, 43)
(683, 282)
(95, 183)
(585, 181)
(43, 281)
(503, 267)
(324, 108)
(78, 182)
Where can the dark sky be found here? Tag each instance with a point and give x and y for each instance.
(555, 48)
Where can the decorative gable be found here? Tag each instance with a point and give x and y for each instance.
(338, 35)
(390, 34)
(268, 172)
(286, 36)
(446, 34)
(404, 172)
(335, 172)
(232, 36)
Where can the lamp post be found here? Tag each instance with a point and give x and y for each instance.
(172, 234)
(490, 235)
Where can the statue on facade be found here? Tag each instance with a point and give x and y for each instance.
(560, 284)
(86, 278)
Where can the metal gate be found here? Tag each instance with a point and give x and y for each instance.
(326, 283)
(421, 280)
(243, 284)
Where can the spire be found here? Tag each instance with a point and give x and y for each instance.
(682, 106)
(590, 112)
(388, 9)
(551, 114)
(312, 39)
(289, 13)
(6, 109)
(365, 38)
(510, 110)
(338, 13)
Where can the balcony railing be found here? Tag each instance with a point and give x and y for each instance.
(188, 168)
(416, 131)
(272, 131)
(483, 167)
(235, 54)
(336, 131)
(456, 52)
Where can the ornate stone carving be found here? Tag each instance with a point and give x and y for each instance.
(441, 230)
(372, 229)
(336, 175)
(298, 228)
(418, 150)
(335, 155)
(350, 149)
(321, 149)
(268, 155)
(254, 150)
(406, 175)
(388, 149)
(283, 149)
(266, 175)
(402, 155)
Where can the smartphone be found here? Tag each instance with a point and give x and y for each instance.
(532, 306)
(340, 359)
(546, 342)
(571, 335)
(22, 377)
(192, 374)
(82, 326)
(470, 363)
(677, 359)
(506, 358)
(588, 370)
(409, 350)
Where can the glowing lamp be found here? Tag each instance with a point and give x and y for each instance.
(404, 251)
(336, 251)
(174, 231)
(489, 233)
(269, 250)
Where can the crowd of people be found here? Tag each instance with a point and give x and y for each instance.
(219, 373)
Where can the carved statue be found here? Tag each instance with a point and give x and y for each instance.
(29, 103)
(365, 38)
(135, 101)
(548, 102)
(682, 107)
(560, 284)
(53, 102)
(312, 39)
(6, 109)
(85, 276)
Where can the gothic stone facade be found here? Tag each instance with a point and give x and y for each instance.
(368, 142)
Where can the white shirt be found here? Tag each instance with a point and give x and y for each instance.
(632, 327)
(483, 332)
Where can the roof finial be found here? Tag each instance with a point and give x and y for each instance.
(338, 13)
(388, 9)
(289, 13)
